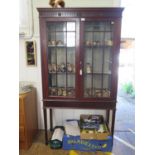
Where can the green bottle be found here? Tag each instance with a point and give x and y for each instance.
(57, 138)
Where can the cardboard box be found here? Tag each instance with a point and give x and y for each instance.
(75, 143)
(90, 119)
(94, 132)
(97, 136)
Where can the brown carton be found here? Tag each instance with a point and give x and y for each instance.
(100, 134)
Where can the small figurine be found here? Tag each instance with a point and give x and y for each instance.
(73, 68)
(53, 42)
(106, 93)
(62, 67)
(70, 92)
(59, 42)
(49, 42)
(98, 93)
(53, 91)
(88, 68)
(97, 43)
(94, 43)
(64, 93)
(69, 67)
(88, 43)
(53, 68)
(60, 92)
(89, 92)
(108, 42)
(49, 68)
(57, 3)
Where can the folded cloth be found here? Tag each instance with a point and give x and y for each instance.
(72, 128)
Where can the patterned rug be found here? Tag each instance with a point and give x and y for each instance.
(42, 149)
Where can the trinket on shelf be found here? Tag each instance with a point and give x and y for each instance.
(98, 93)
(108, 42)
(53, 91)
(88, 68)
(62, 67)
(106, 93)
(53, 42)
(70, 67)
(59, 43)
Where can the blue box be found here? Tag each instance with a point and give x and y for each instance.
(75, 143)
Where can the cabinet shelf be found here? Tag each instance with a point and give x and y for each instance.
(62, 73)
(98, 31)
(29, 53)
(108, 73)
(98, 46)
(60, 46)
(55, 31)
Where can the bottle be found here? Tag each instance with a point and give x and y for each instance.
(57, 137)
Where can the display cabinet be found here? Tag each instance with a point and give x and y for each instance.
(79, 54)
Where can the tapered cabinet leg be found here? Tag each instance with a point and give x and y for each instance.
(45, 125)
(107, 116)
(51, 120)
(113, 121)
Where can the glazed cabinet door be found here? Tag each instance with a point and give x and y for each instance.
(97, 53)
(61, 58)
(80, 58)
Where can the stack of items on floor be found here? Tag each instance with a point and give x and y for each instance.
(88, 134)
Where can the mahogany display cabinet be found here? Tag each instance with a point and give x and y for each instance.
(79, 55)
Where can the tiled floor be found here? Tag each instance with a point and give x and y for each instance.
(123, 143)
(124, 137)
(125, 114)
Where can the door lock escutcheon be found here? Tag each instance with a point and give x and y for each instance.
(82, 19)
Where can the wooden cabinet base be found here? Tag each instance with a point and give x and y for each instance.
(28, 123)
(24, 146)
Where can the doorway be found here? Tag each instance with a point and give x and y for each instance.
(126, 87)
(124, 135)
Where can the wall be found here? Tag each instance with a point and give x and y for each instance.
(33, 74)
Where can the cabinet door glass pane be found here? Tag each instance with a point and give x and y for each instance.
(98, 42)
(61, 58)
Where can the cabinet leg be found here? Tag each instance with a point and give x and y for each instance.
(51, 120)
(107, 116)
(113, 121)
(45, 126)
